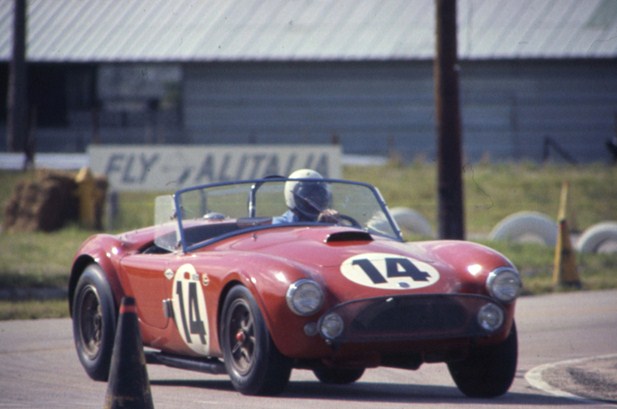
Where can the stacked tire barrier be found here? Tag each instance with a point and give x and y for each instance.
(599, 238)
(526, 226)
(523, 226)
(411, 220)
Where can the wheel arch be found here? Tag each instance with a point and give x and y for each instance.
(221, 302)
(256, 288)
(76, 271)
(79, 265)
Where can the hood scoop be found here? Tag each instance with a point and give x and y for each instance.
(345, 236)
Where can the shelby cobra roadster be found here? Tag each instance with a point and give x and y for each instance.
(254, 278)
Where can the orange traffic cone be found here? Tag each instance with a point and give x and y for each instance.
(128, 385)
(565, 272)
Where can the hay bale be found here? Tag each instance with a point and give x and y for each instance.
(44, 204)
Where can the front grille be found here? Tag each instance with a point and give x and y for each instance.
(411, 317)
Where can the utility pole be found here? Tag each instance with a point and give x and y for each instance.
(17, 118)
(449, 153)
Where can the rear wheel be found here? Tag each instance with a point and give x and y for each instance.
(338, 376)
(94, 322)
(489, 370)
(253, 362)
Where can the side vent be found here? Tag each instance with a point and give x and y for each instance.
(168, 308)
(345, 236)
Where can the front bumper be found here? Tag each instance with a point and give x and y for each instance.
(412, 318)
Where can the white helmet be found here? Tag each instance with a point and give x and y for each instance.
(307, 199)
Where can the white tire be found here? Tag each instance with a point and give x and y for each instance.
(599, 238)
(526, 227)
(409, 219)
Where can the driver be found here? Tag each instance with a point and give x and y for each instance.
(307, 201)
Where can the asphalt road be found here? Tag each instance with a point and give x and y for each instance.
(568, 346)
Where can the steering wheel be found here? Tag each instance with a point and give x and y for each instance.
(346, 220)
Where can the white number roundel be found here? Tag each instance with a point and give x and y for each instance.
(389, 271)
(190, 312)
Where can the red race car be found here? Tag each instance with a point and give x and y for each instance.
(257, 277)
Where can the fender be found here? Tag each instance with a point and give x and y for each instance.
(92, 252)
(474, 258)
(268, 284)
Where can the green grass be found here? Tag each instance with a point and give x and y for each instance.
(33, 309)
(536, 264)
(38, 259)
(492, 192)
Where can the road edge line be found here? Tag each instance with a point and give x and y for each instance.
(534, 378)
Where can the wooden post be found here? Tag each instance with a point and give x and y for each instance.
(449, 157)
(17, 118)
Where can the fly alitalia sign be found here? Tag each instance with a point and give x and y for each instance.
(171, 167)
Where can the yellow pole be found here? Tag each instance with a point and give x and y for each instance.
(565, 272)
(87, 197)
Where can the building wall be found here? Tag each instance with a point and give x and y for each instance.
(509, 109)
(364, 105)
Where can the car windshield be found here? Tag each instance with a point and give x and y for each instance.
(196, 216)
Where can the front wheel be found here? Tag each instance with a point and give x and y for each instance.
(488, 371)
(253, 362)
(94, 322)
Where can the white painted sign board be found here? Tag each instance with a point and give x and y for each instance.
(162, 168)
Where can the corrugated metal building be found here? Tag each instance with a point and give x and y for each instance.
(310, 71)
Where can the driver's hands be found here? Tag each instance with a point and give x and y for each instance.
(328, 216)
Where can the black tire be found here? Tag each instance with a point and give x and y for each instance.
(253, 362)
(338, 376)
(94, 322)
(488, 371)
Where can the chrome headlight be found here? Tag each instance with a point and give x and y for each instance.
(504, 284)
(305, 297)
(490, 317)
(331, 326)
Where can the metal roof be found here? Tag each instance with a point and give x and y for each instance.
(237, 30)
